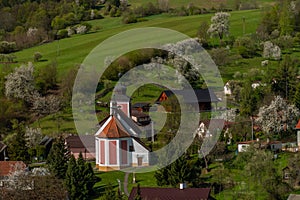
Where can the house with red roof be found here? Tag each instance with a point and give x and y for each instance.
(117, 140)
(298, 133)
(9, 167)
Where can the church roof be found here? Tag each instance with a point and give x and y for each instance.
(298, 125)
(112, 128)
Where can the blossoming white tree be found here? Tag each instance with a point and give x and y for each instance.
(219, 25)
(271, 51)
(277, 116)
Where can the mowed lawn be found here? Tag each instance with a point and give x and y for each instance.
(70, 52)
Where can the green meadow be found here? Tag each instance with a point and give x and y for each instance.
(70, 52)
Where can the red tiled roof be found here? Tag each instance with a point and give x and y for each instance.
(113, 129)
(171, 193)
(298, 125)
(6, 167)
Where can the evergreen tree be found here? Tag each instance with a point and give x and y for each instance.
(80, 178)
(71, 180)
(17, 143)
(179, 172)
(57, 159)
(110, 193)
(297, 97)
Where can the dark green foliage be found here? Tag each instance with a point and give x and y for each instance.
(109, 193)
(57, 159)
(285, 78)
(246, 47)
(297, 97)
(17, 143)
(46, 78)
(7, 47)
(79, 179)
(180, 171)
(250, 99)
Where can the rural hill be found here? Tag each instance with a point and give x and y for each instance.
(241, 143)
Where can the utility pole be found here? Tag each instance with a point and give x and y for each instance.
(244, 25)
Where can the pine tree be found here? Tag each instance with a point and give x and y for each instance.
(179, 172)
(58, 159)
(80, 178)
(71, 180)
(297, 97)
(17, 143)
(110, 193)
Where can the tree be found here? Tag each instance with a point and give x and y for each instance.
(79, 178)
(277, 117)
(178, 172)
(58, 159)
(20, 84)
(285, 78)
(17, 142)
(271, 51)
(109, 193)
(297, 97)
(286, 19)
(202, 34)
(219, 25)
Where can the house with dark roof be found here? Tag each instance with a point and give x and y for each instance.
(84, 144)
(140, 118)
(3, 151)
(151, 193)
(204, 97)
(117, 140)
(141, 106)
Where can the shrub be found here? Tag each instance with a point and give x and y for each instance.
(37, 56)
(7, 47)
(246, 47)
(220, 56)
(129, 18)
(63, 33)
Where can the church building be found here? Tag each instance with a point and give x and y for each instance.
(118, 145)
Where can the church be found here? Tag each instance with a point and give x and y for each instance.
(117, 141)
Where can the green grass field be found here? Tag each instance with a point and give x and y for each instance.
(71, 51)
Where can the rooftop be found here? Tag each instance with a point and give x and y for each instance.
(171, 193)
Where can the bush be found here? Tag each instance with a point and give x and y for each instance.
(63, 33)
(37, 56)
(246, 47)
(220, 56)
(7, 47)
(129, 18)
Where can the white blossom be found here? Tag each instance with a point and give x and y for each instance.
(219, 24)
(31, 32)
(277, 115)
(81, 29)
(20, 84)
(271, 51)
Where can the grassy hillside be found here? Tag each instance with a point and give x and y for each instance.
(229, 4)
(71, 51)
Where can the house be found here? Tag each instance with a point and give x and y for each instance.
(141, 106)
(209, 127)
(151, 193)
(117, 143)
(227, 89)
(271, 145)
(204, 97)
(83, 143)
(7, 168)
(3, 152)
(140, 118)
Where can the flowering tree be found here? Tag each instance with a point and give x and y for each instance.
(271, 51)
(277, 116)
(20, 84)
(219, 25)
